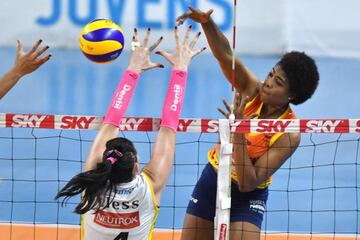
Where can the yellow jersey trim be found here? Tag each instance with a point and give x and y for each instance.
(156, 207)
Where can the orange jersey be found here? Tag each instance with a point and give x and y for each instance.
(257, 143)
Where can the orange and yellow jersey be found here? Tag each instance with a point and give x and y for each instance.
(257, 143)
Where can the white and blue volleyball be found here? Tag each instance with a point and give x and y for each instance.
(101, 41)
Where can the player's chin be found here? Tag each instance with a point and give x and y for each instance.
(265, 98)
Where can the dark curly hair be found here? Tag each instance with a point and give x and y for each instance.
(117, 167)
(302, 74)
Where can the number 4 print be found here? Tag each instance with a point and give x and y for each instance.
(122, 236)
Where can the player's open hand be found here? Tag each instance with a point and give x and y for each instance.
(140, 56)
(195, 15)
(181, 57)
(28, 62)
(239, 106)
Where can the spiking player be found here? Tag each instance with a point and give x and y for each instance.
(256, 157)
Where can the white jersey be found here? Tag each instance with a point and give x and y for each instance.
(130, 216)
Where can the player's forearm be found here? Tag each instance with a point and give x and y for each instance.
(174, 98)
(160, 165)
(122, 97)
(218, 43)
(8, 81)
(221, 49)
(244, 168)
(163, 154)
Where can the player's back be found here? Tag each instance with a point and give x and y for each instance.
(130, 216)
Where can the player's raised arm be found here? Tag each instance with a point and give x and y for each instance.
(160, 165)
(138, 63)
(25, 63)
(245, 81)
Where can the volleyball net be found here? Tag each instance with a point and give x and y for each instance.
(314, 195)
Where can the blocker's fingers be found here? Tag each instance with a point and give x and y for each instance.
(136, 35)
(147, 36)
(166, 55)
(199, 51)
(176, 31)
(194, 41)
(134, 43)
(153, 65)
(152, 47)
(187, 34)
(159, 65)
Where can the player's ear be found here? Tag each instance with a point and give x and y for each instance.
(136, 168)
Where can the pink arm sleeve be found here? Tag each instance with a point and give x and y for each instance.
(174, 99)
(121, 98)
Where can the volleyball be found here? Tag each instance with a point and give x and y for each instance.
(101, 41)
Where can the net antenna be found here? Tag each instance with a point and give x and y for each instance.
(223, 194)
(233, 72)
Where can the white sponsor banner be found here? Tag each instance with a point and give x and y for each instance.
(59, 22)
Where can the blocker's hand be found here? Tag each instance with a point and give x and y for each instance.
(140, 57)
(181, 57)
